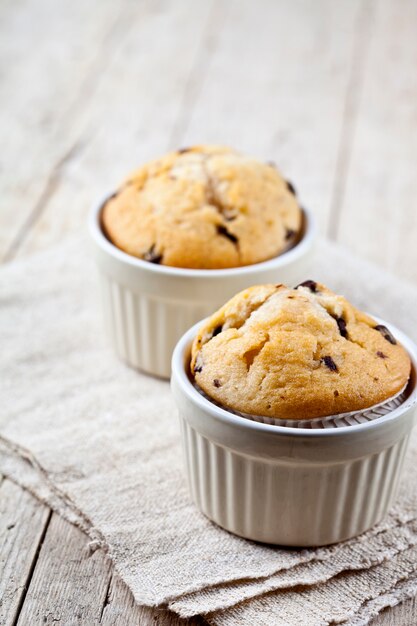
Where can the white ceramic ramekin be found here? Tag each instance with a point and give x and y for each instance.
(148, 307)
(289, 486)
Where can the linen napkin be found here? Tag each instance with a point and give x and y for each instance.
(100, 443)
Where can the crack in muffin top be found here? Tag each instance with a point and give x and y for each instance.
(296, 354)
(205, 207)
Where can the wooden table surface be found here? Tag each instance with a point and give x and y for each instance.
(89, 90)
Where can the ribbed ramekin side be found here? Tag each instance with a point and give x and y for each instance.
(363, 491)
(144, 329)
(286, 503)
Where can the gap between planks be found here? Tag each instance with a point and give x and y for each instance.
(192, 87)
(360, 53)
(23, 525)
(86, 93)
(118, 605)
(196, 77)
(239, 78)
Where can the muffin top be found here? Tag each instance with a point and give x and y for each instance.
(296, 354)
(205, 207)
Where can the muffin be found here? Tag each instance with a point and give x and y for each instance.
(296, 353)
(205, 207)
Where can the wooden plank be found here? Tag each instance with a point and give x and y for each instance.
(127, 119)
(296, 73)
(23, 522)
(378, 217)
(120, 609)
(276, 85)
(116, 606)
(69, 583)
(244, 82)
(404, 614)
(51, 58)
(363, 36)
(55, 563)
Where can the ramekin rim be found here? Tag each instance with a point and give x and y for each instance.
(276, 262)
(222, 414)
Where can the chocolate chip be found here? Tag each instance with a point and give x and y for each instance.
(198, 367)
(217, 383)
(310, 284)
(381, 355)
(328, 361)
(217, 331)
(342, 326)
(183, 150)
(335, 393)
(289, 234)
(222, 230)
(291, 187)
(386, 333)
(152, 256)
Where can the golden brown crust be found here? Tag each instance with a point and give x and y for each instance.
(205, 207)
(296, 354)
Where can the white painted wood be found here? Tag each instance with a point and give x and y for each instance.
(23, 521)
(379, 208)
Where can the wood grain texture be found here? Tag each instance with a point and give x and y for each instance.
(404, 614)
(23, 522)
(378, 210)
(69, 583)
(120, 609)
(72, 585)
(295, 64)
(328, 90)
(51, 57)
(126, 119)
(276, 85)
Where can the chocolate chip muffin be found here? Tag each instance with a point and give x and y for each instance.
(296, 354)
(205, 207)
